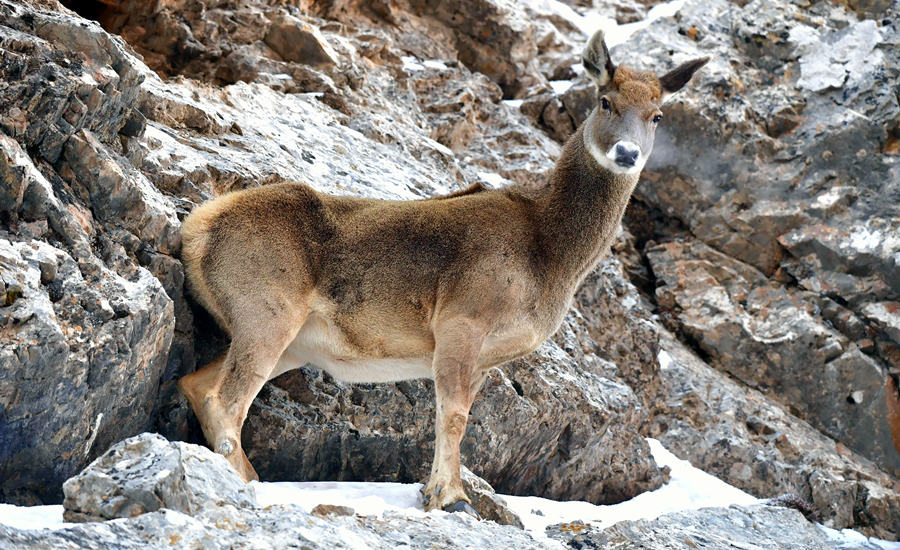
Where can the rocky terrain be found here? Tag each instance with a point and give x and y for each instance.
(749, 317)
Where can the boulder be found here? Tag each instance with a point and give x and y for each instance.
(84, 348)
(299, 42)
(146, 473)
(88, 328)
(486, 501)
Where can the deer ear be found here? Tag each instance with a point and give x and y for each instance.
(596, 60)
(675, 79)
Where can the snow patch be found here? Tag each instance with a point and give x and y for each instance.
(560, 86)
(493, 179)
(665, 360)
(689, 488)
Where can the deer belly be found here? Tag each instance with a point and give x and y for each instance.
(323, 346)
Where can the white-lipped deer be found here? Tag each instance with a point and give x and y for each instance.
(444, 288)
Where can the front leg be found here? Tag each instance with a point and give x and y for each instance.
(456, 381)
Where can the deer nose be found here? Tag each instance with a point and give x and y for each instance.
(626, 156)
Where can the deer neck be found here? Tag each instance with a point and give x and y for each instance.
(581, 212)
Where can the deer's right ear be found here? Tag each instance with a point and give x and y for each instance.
(596, 60)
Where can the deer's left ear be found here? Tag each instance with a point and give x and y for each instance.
(596, 61)
(675, 79)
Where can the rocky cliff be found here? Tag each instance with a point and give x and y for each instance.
(749, 317)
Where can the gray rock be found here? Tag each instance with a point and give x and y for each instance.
(774, 340)
(85, 343)
(750, 527)
(146, 473)
(80, 365)
(753, 443)
(488, 503)
(493, 37)
(273, 528)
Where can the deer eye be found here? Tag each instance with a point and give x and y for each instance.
(604, 104)
(656, 119)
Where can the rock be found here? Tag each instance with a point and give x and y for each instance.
(325, 510)
(753, 443)
(492, 37)
(488, 504)
(774, 340)
(146, 473)
(75, 374)
(756, 526)
(274, 527)
(299, 42)
(104, 323)
(773, 185)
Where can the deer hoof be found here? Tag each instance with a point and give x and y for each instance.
(462, 506)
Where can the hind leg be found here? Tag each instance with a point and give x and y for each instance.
(221, 393)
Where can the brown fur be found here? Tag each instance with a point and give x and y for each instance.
(374, 290)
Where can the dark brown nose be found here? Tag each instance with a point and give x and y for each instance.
(626, 157)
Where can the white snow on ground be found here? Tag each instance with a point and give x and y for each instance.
(367, 499)
(32, 517)
(689, 488)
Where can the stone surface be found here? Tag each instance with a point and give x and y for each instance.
(709, 528)
(80, 363)
(753, 443)
(486, 501)
(775, 340)
(274, 528)
(146, 473)
(86, 342)
(770, 244)
(782, 229)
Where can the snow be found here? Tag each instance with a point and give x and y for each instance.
(411, 64)
(688, 488)
(368, 499)
(32, 517)
(593, 20)
(560, 86)
(493, 179)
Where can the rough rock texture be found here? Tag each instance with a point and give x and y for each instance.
(751, 442)
(173, 494)
(275, 528)
(777, 340)
(774, 246)
(554, 423)
(87, 328)
(146, 473)
(709, 528)
(794, 173)
(486, 501)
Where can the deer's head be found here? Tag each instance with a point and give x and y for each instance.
(619, 132)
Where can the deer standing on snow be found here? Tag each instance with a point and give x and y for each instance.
(443, 288)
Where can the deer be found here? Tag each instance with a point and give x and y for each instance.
(444, 288)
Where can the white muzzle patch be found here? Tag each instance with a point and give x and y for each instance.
(624, 157)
